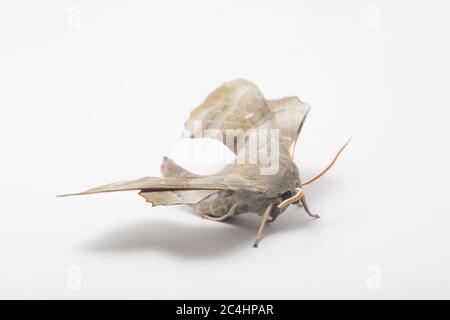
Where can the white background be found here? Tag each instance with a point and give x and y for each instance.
(97, 91)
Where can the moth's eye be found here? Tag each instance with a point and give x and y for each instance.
(286, 195)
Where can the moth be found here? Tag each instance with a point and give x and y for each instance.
(263, 179)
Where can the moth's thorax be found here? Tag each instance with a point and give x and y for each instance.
(276, 188)
(285, 180)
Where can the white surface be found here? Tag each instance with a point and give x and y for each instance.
(87, 104)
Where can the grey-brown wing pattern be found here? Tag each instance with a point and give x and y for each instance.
(230, 113)
(218, 183)
(290, 113)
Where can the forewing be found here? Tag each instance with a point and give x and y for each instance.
(290, 113)
(217, 183)
(164, 198)
(232, 111)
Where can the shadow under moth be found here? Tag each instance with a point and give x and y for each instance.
(263, 179)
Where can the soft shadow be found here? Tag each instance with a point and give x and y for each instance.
(194, 242)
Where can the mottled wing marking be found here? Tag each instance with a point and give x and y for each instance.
(225, 182)
(237, 105)
(171, 169)
(290, 113)
(176, 197)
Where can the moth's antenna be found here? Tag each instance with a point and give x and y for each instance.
(312, 179)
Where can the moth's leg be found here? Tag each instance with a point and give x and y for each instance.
(272, 218)
(229, 214)
(274, 215)
(264, 218)
(305, 206)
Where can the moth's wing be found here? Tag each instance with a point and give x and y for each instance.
(151, 184)
(236, 105)
(166, 198)
(170, 169)
(290, 113)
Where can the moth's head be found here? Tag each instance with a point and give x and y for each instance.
(289, 185)
(294, 180)
(287, 195)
